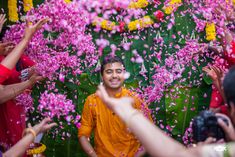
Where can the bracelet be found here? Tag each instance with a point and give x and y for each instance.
(30, 130)
(133, 114)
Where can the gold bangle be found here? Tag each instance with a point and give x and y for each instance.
(131, 116)
(30, 130)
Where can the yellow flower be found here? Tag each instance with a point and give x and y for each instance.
(108, 25)
(145, 21)
(133, 25)
(169, 9)
(28, 4)
(67, 1)
(37, 150)
(12, 10)
(139, 4)
(210, 31)
(175, 2)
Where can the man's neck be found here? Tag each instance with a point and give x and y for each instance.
(112, 92)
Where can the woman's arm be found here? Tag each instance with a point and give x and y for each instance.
(8, 92)
(20, 147)
(11, 59)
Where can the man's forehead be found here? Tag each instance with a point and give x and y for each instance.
(115, 65)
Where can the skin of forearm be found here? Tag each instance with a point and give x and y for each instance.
(8, 92)
(12, 58)
(87, 147)
(20, 147)
(152, 138)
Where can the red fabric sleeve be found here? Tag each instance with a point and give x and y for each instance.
(230, 57)
(26, 62)
(4, 73)
(216, 98)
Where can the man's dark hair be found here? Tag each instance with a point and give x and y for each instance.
(229, 86)
(110, 59)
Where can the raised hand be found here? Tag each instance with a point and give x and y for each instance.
(31, 29)
(6, 47)
(2, 21)
(228, 129)
(44, 126)
(35, 78)
(214, 72)
(121, 106)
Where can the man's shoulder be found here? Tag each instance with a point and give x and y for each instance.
(92, 97)
(132, 93)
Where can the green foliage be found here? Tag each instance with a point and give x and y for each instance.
(173, 112)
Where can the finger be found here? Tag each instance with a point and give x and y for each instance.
(51, 125)
(220, 141)
(7, 44)
(205, 69)
(223, 125)
(103, 91)
(46, 120)
(215, 69)
(28, 23)
(209, 140)
(40, 23)
(2, 16)
(222, 115)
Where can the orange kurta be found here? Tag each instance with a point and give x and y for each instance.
(112, 137)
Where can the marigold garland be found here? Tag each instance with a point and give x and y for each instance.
(28, 4)
(12, 10)
(37, 150)
(210, 31)
(139, 4)
(171, 6)
(140, 23)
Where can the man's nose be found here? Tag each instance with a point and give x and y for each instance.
(115, 74)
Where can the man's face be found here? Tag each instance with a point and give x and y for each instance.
(113, 75)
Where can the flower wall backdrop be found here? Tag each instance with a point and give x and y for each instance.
(163, 44)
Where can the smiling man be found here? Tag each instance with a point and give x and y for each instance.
(112, 137)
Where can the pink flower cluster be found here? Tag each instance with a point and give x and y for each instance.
(62, 40)
(55, 105)
(172, 70)
(25, 100)
(188, 136)
(210, 11)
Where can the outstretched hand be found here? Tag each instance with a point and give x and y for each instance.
(2, 21)
(35, 78)
(6, 47)
(44, 126)
(215, 73)
(31, 29)
(121, 106)
(228, 128)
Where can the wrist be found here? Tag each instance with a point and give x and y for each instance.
(30, 131)
(36, 129)
(91, 153)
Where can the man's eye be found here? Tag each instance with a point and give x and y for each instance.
(109, 72)
(119, 71)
